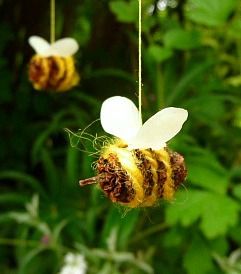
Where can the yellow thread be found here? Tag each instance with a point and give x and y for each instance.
(71, 76)
(139, 61)
(59, 70)
(129, 163)
(52, 21)
(151, 199)
(168, 187)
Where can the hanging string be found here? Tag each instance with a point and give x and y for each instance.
(52, 21)
(139, 62)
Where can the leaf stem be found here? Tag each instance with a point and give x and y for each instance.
(149, 231)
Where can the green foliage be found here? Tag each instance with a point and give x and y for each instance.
(126, 12)
(217, 212)
(158, 53)
(197, 259)
(181, 39)
(191, 58)
(210, 13)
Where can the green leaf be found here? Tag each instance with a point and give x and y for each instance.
(187, 79)
(158, 53)
(106, 268)
(237, 191)
(235, 28)
(187, 208)
(72, 165)
(29, 257)
(206, 172)
(126, 12)
(197, 260)
(182, 39)
(235, 234)
(219, 245)
(125, 225)
(234, 80)
(50, 171)
(173, 237)
(14, 198)
(24, 178)
(204, 111)
(210, 13)
(217, 213)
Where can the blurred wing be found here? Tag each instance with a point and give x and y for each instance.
(160, 128)
(64, 47)
(119, 116)
(40, 45)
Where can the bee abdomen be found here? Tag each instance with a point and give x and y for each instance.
(138, 178)
(53, 73)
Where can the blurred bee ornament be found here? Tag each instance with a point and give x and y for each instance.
(136, 168)
(53, 65)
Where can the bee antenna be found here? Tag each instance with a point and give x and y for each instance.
(89, 181)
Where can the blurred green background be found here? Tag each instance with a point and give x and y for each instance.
(191, 59)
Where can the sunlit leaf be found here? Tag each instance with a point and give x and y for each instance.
(198, 259)
(217, 213)
(210, 13)
(126, 12)
(182, 39)
(159, 54)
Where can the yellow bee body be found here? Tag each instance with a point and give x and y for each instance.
(138, 178)
(53, 73)
(137, 168)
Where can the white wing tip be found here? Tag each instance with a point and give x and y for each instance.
(65, 47)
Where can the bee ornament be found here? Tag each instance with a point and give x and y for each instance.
(53, 66)
(137, 168)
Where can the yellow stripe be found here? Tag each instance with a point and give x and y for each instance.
(151, 199)
(41, 81)
(168, 187)
(56, 73)
(128, 163)
(71, 77)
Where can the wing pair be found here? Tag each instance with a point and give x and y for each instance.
(119, 117)
(64, 47)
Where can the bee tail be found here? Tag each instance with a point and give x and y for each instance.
(89, 181)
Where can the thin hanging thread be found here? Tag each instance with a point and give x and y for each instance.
(52, 21)
(139, 62)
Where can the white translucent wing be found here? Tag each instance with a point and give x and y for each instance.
(119, 116)
(40, 45)
(160, 128)
(64, 47)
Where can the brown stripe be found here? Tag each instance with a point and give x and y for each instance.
(162, 176)
(114, 181)
(179, 171)
(145, 167)
(64, 76)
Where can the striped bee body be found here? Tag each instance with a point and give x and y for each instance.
(138, 178)
(53, 73)
(137, 168)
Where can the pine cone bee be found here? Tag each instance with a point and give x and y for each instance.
(137, 168)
